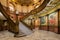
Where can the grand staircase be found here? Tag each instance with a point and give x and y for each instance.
(21, 28)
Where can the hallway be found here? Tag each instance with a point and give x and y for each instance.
(37, 35)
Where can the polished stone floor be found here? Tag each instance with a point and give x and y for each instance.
(37, 35)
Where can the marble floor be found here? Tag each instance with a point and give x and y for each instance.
(37, 35)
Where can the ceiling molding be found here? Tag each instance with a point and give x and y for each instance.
(50, 11)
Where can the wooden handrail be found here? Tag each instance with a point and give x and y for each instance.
(11, 23)
(37, 10)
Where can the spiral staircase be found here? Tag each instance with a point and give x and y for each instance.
(20, 28)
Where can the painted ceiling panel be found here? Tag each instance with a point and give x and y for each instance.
(53, 4)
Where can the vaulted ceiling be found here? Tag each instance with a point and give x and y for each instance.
(51, 6)
(24, 6)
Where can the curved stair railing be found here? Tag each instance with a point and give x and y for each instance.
(11, 23)
(14, 27)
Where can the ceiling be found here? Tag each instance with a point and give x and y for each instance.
(24, 6)
(52, 6)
